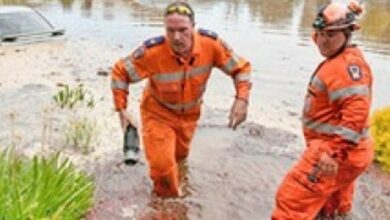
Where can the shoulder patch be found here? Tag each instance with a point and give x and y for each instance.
(154, 41)
(139, 52)
(355, 72)
(208, 33)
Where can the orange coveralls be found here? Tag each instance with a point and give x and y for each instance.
(172, 99)
(335, 120)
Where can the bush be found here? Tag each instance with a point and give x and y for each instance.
(42, 188)
(381, 132)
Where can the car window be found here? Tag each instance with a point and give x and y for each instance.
(22, 22)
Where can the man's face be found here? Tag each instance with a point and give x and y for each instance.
(329, 41)
(179, 30)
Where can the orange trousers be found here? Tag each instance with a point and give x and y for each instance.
(300, 199)
(166, 138)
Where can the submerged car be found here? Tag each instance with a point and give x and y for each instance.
(24, 24)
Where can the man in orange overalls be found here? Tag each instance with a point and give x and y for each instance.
(177, 67)
(335, 124)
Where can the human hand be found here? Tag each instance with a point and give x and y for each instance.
(125, 120)
(327, 165)
(238, 113)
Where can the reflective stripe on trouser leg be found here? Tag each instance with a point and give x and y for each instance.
(160, 142)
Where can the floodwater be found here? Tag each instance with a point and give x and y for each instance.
(229, 174)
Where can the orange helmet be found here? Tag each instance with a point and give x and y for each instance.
(338, 17)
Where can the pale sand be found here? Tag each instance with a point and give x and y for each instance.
(29, 77)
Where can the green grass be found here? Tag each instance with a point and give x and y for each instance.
(381, 132)
(42, 188)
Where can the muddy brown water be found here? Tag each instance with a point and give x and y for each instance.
(229, 175)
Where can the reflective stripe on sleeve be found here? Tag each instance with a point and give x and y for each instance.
(130, 70)
(316, 82)
(229, 66)
(350, 91)
(242, 77)
(115, 84)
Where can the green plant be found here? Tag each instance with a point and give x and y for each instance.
(80, 133)
(42, 188)
(381, 132)
(68, 97)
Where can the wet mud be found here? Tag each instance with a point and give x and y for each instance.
(228, 175)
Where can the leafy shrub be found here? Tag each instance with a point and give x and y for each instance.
(80, 133)
(42, 188)
(68, 97)
(381, 132)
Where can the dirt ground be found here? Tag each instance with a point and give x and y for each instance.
(229, 175)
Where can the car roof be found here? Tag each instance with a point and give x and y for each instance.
(14, 9)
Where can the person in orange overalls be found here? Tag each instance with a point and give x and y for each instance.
(335, 125)
(177, 66)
